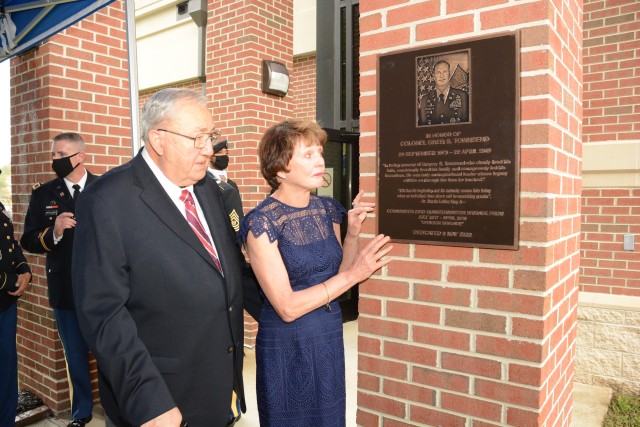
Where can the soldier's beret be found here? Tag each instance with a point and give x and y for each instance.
(220, 145)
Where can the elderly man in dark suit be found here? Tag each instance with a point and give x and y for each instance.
(48, 229)
(158, 277)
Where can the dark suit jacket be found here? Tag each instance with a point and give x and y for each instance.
(47, 202)
(12, 262)
(231, 201)
(165, 326)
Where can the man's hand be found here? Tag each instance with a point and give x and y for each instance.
(22, 283)
(171, 418)
(64, 221)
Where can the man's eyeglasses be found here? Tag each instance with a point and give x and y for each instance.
(199, 141)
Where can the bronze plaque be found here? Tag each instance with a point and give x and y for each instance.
(448, 150)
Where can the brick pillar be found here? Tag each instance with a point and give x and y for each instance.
(77, 81)
(468, 336)
(240, 34)
(303, 82)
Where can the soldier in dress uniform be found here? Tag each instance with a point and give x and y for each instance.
(444, 104)
(15, 276)
(232, 202)
(228, 188)
(48, 228)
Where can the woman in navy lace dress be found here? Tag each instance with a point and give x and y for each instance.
(293, 242)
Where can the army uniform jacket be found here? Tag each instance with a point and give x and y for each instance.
(12, 262)
(47, 202)
(454, 110)
(231, 201)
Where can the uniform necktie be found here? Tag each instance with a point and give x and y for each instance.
(76, 191)
(441, 98)
(196, 226)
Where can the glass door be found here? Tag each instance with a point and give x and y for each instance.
(341, 182)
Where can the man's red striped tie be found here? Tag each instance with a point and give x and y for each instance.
(196, 226)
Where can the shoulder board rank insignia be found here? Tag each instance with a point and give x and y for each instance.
(36, 185)
(235, 220)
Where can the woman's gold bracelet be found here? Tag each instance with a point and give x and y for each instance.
(327, 306)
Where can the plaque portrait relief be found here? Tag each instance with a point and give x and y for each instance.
(442, 89)
(447, 139)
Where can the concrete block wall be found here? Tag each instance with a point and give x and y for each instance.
(466, 336)
(77, 81)
(609, 342)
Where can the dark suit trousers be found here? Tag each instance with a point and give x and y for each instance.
(77, 355)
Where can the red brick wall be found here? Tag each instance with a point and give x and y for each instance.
(461, 336)
(240, 35)
(607, 215)
(76, 82)
(143, 96)
(303, 87)
(611, 110)
(244, 33)
(611, 64)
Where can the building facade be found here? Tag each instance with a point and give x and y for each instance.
(447, 335)
(609, 303)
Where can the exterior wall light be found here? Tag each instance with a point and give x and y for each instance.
(275, 78)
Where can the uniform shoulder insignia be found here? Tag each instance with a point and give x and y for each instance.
(36, 186)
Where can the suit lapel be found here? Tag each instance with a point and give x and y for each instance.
(90, 178)
(207, 193)
(154, 196)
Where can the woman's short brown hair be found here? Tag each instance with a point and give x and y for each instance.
(278, 142)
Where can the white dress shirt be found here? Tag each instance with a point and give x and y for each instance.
(174, 192)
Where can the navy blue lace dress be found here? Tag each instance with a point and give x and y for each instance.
(300, 365)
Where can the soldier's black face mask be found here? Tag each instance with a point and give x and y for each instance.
(63, 166)
(221, 162)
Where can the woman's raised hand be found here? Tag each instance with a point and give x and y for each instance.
(357, 214)
(371, 258)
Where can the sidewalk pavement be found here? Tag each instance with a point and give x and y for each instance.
(589, 408)
(590, 405)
